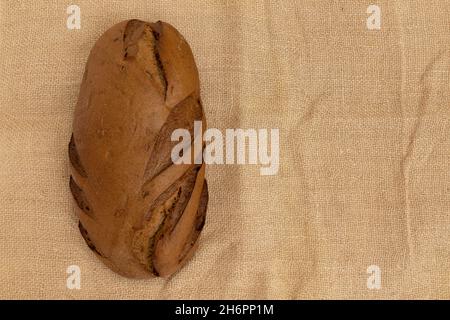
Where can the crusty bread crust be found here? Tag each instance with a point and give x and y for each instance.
(140, 213)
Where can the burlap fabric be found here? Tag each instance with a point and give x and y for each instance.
(364, 174)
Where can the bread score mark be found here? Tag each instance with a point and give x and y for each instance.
(75, 158)
(80, 198)
(163, 216)
(141, 46)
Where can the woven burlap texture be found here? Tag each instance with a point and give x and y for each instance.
(364, 173)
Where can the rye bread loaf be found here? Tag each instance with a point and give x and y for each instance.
(140, 213)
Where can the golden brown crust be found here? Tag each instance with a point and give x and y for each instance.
(138, 211)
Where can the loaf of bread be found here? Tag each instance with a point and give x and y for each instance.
(139, 212)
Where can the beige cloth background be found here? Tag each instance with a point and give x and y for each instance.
(365, 149)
